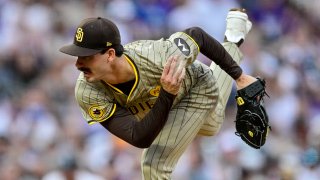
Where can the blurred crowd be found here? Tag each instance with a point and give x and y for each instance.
(42, 132)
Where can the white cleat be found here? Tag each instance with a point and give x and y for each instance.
(238, 25)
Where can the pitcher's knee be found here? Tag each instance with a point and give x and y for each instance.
(210, 130)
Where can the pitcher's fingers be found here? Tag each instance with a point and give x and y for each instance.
(172, 66)
(180, 65)
(167, 66)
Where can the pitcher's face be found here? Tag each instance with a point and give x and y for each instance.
(93, 67)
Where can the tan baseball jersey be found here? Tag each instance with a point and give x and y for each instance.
(99, 100)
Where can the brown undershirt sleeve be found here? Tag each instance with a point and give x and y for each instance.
(212, 49)
(140, 133)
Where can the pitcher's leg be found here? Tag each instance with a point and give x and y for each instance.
(224, 83)
(238, 26)
(160, 159)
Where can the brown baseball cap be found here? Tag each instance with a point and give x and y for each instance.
(92, 36)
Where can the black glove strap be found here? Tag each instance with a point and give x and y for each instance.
(253, 89)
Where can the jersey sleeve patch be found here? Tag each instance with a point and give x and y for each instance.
(183, 45)
(100, 113)
(96, 112)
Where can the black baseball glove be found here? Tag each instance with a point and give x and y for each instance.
(252, 123)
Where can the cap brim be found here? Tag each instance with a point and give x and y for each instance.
(74, 50)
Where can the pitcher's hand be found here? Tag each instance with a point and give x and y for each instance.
(172, 75)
